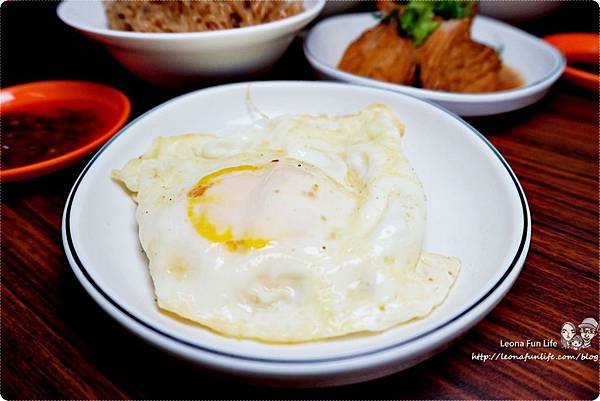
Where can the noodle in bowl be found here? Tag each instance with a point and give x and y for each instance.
(196, 16)
(179, 59)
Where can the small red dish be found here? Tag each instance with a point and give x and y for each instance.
(578, 48)
(49, 125)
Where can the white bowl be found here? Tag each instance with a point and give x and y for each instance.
(177, 59)
(475, 205)
(539, 64)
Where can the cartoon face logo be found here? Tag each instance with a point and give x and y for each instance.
(576, 342)
(588, 329)
(567, 333)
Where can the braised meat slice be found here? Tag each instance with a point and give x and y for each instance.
(451, 61)
(380, 53)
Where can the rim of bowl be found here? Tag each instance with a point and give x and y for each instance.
(112, 306)
(46, 166)
(306, 15)
(490, 97)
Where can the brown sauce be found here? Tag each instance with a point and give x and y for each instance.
(47, 130)
(508, 78)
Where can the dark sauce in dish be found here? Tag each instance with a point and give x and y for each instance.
(48, 130)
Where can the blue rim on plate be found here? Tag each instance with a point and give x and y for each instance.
(69, 246)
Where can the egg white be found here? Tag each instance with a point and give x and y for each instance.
(296, 229)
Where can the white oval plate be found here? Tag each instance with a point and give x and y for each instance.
(539, 64)
(476, 211)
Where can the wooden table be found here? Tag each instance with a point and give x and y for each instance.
(57, 343)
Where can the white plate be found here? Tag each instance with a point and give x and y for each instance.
(476, 211)
(539, 63)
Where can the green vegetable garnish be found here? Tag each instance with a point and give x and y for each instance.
(417, 20)
(452, 9)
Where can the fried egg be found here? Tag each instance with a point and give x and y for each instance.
(295, 229)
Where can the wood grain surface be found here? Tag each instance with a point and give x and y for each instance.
(57, 343)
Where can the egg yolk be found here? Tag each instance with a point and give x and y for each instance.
(205, 227)
(249, 207)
